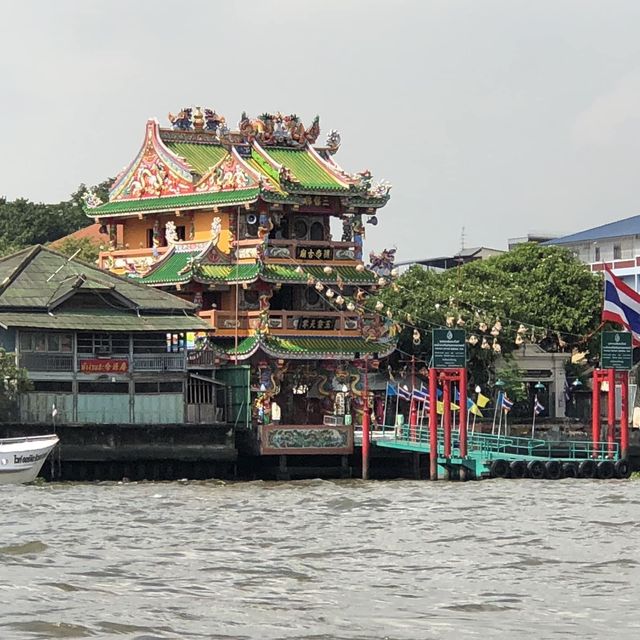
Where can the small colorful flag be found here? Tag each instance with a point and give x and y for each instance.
(472, 407)
(482, 401)
(420, 394)
(537, 407)
(404, 393)
(391, 389)
(506, 404)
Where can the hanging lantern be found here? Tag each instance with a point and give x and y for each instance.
(449, 320)
(351, 306)
(340, 300)
(485, 344)
(519, 339)
(483, 327)
(522, 330)
(330, 293)
(460, 321)
(319, 286)
(328, 270)
(395, 272)
(496, 347)
(495, 331)
(359, 268)
(498, 324)
(299, 270)
(382, 282)
(473, 340)
(311, 280)
(379, 306)
(389, 313)
(416, 338)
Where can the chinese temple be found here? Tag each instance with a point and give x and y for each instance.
(263, 231)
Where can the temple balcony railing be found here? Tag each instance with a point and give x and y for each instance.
(299, 251)
(121, 259)
(298, 323)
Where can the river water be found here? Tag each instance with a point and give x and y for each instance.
(321, 560)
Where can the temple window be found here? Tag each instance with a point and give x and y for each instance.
(317, 231)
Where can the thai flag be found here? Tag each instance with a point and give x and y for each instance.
(403, 393)
(420, 394)
(506, 404)
(621, 304)
(537, 407)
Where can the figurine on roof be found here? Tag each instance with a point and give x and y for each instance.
(213, 121)
(382, 263)
(333, 141)
(182, 121)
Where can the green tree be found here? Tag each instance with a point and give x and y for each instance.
(14, 382)
(24, 223)
(87, 248)
(545, 288)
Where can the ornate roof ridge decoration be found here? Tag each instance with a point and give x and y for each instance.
(194, 119)
(277, 129)
(155, 172)
(231, 173)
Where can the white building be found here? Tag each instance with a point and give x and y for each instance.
(616, 244)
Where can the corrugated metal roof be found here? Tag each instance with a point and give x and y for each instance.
(32, 278)
(103, 320)
(620, 228)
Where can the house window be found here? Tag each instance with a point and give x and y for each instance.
(46, 342)
(103, 344)
(597, 256)
(617, 252)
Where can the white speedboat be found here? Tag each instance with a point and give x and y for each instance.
(22, 458)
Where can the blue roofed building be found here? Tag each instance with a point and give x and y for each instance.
(616, 244)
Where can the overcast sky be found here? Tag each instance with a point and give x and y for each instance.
(499, 117)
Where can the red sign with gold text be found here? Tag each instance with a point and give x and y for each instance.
(112, 365)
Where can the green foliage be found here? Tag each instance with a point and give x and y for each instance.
(13, 382)
(544, 287)
(87, 248)
(24, 223)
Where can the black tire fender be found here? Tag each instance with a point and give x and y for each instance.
(499, 468)
(536, 469)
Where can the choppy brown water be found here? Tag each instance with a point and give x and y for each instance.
(321, 560)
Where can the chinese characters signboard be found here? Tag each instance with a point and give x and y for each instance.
(312, 324)
(111, 365)
(314, 253)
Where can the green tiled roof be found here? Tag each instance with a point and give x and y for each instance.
(308, 172)
(27, 283)
(227, 272)
(103, 320)
(167, 271)
(188, 201)
(318, 347)
(286, 273)
(246, 346)
(200, 156)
